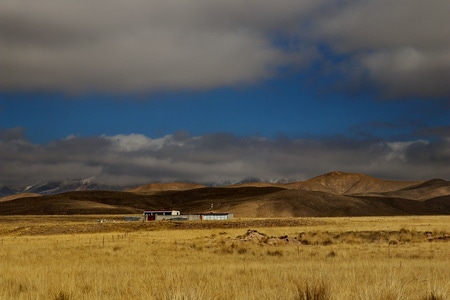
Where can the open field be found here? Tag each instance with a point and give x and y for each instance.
(76, 257)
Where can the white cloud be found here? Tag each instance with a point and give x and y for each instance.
(399, 149)
(133, 142)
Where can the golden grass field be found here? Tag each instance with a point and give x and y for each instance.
(76, 257)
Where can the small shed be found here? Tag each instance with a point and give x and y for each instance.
(216, 216)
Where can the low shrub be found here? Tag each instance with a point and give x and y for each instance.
(62, 296)
(242, 251)
(316, 291)
(274, 253)
(331, 254)
(434, 296)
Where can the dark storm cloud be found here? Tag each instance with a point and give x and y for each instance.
(440, 131)
(424, 153)
(139, 45)
(401, 46)
(13, 134)
(216, 158)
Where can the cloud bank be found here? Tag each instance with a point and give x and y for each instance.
(400, 47)
(215, 158)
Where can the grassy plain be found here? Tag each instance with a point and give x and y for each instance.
(76, 257)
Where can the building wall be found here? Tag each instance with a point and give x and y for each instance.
(217, 216)
(214, 217)
(195, 217)
(179, 217)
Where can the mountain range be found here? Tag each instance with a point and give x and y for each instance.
(331, 194)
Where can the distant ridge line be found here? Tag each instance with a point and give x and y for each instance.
(330, 194)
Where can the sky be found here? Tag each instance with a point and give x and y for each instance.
(222, 91)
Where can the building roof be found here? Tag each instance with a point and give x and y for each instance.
(213, 213)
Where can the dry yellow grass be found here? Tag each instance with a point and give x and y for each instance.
(335, 258)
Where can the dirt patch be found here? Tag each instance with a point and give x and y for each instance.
(255, 236)
(326, 238)
(437, 237)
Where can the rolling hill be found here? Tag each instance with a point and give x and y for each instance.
(341, 183)
(331, 194)
(152, 188)
(19, 195)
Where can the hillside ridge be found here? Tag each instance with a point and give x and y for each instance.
(330, 194)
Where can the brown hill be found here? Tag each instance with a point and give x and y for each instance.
(297, 203)
(244, 202)
(79, 202)
(158, 187)
(424, 191)
(332, 194)
(341, 183)
(17, 196)
(257, 184)
(109, 202)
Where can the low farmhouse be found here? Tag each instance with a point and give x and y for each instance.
(150, 215)
(159, 215)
